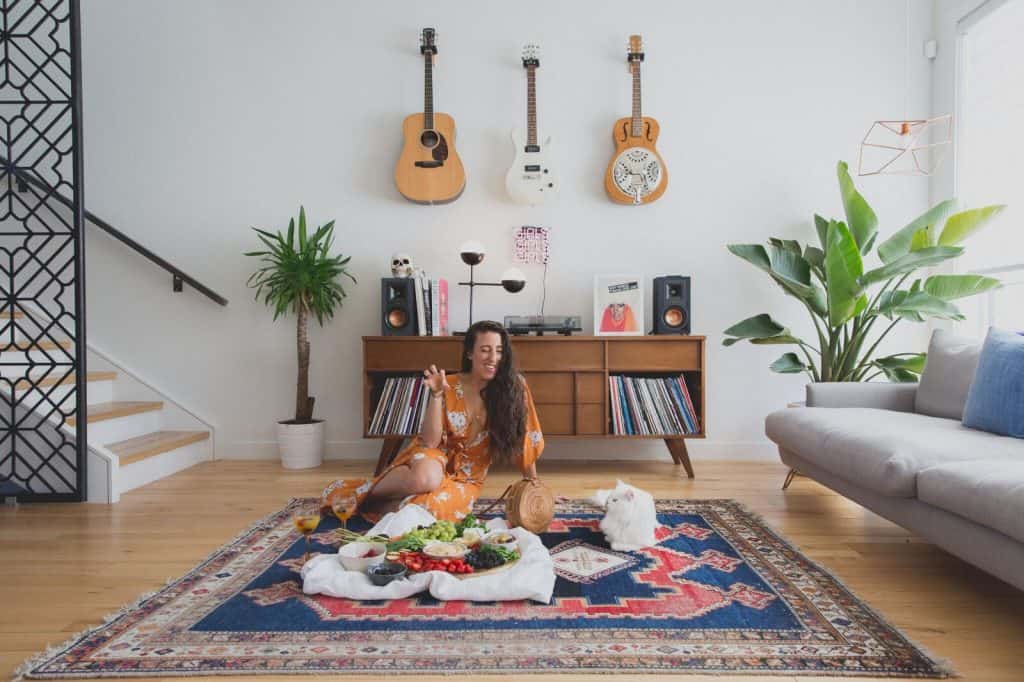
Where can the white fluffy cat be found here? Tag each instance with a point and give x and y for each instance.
(630, 519)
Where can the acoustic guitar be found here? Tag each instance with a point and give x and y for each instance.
(531, 179)
(637, 173)
(429, 170)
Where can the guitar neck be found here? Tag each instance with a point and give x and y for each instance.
(531, 106)
(634, 67)
(428, 91)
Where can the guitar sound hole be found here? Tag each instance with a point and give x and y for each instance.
(429, 139)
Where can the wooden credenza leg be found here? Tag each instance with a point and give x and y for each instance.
(677, 448)
(789, 478)
(388, 449)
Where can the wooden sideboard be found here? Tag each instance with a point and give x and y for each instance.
(567, 375)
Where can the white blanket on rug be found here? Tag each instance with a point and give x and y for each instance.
(532, 577)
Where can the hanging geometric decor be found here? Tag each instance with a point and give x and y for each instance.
(905, 147)
(531, 245)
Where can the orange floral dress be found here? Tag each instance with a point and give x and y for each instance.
(464, 452)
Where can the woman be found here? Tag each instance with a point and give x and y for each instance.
(483, 415)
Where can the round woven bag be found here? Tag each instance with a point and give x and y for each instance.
(530, 505)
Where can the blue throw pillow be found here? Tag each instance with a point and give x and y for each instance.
(995, 401)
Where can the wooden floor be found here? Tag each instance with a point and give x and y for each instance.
(64, 567)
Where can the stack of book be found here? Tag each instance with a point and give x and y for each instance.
(401, 406)
(431, 305)
(644, 406)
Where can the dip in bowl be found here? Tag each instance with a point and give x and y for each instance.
(503, 539)
(445, 550)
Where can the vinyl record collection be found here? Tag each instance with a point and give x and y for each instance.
(400, 409)
(648, 406)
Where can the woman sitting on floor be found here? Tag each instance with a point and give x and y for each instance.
(483, 415)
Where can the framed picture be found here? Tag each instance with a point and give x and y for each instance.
(618, 305)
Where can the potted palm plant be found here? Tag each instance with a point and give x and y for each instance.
(298, 274)
(853, 305)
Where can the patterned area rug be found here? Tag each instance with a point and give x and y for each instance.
(720, 592)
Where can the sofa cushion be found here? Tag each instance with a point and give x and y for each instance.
(996, 400)
(947, 375)
(881, 449)
(988, 492)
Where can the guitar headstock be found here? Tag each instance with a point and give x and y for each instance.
(428, 38)
(531, 55)
(635, 53)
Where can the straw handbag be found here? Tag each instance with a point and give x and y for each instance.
(528, 504)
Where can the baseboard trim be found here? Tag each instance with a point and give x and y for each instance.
(593, 450)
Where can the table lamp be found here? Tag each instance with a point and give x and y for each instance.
(472, 254)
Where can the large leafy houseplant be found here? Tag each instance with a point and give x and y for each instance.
(300, 275)
(854, 306)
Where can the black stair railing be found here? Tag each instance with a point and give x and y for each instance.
(178, 275)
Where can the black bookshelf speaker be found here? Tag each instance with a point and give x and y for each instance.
(672, 305)
(398, 306)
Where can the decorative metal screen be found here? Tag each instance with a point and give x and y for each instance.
(42, 302)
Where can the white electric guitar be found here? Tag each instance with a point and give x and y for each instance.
(531, 180)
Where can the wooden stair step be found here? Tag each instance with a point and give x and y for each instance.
(150, 444)
(23, 384)
(100, 412)
(35, 345)
(7, 314)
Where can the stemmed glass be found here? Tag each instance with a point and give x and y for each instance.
(306, 519)
(344, 506)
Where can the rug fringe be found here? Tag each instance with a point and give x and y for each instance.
(943, 666)
(23, 671)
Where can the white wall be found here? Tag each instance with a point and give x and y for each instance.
(204, 118)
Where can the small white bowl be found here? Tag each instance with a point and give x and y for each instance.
(491, 540)
(351, 555)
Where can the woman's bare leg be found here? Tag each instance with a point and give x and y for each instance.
(421, 476)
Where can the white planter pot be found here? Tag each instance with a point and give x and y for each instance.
(301, 445)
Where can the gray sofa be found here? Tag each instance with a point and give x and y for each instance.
(960, 488)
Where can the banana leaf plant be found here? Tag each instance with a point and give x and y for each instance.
(853, 305)
(300, 276)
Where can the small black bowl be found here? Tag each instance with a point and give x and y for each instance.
(383, 573)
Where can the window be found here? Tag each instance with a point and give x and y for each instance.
(990, 156)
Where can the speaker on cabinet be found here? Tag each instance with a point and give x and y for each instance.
(672, 305)
(398, 306)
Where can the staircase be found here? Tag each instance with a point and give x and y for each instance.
(136, 434)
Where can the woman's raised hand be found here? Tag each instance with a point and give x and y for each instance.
(434, 379)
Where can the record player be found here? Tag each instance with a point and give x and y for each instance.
(519, 325)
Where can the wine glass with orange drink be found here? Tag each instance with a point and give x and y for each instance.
(344, 506)
(306, 519)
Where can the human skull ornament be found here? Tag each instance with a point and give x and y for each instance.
(401, 265)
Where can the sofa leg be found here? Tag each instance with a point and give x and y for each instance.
(789, 478)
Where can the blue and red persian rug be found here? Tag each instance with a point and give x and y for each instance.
(720, 593)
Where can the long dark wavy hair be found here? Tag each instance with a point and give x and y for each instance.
(503, 396)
